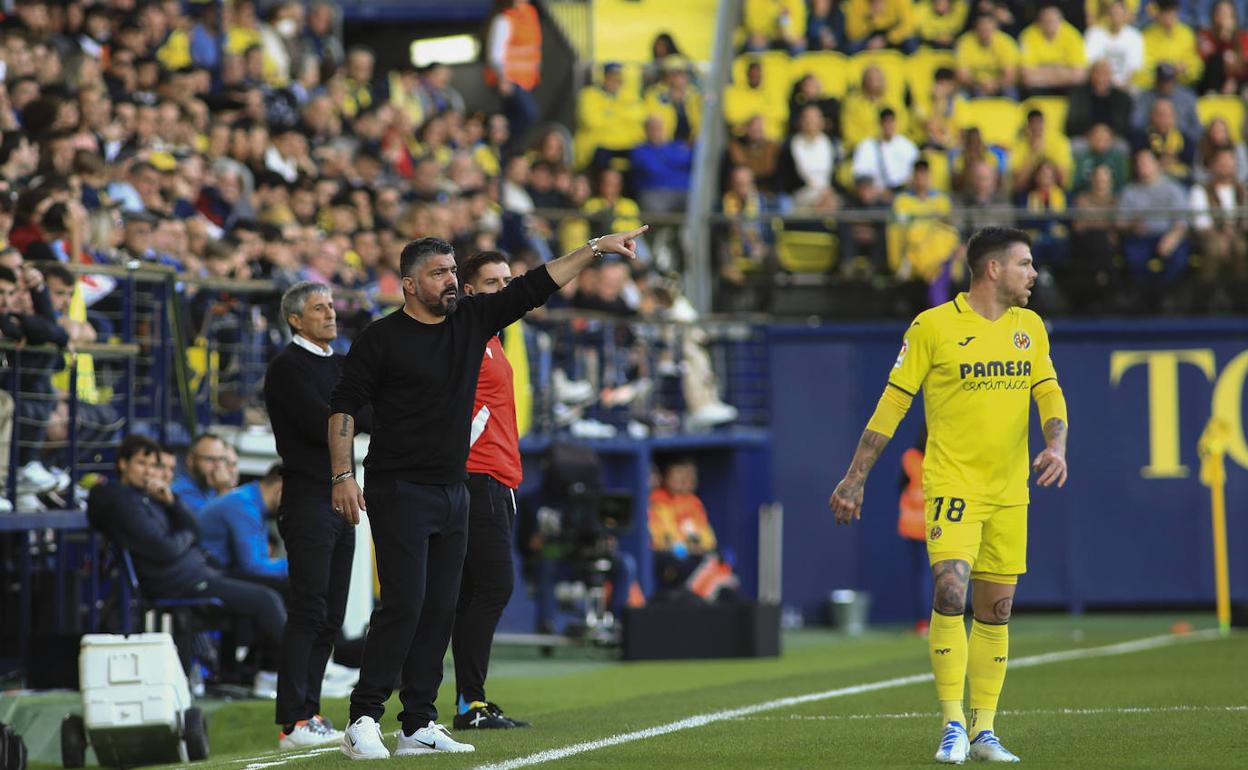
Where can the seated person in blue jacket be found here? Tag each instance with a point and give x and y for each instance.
(207, 470)
(235, 532)
(140, 513)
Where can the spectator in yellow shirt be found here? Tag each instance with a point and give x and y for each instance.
(937, 23)
(1036, 145)
(922, 243)
(775, 24)
(676, 101)
(1053, 55)
(1168, 40)
(934, 121)
(743, 101)
(609, 120)
(860, 114)
(987, 59)
(874, 24)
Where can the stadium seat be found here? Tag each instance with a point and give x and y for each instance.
(998, 120)
(1054, 109)
(891, 63)
(805, 251)
(921, 69)
(831, 67)
(1229, 108)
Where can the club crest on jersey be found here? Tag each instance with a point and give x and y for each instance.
(934, 534)
(901, 356)
(1022, 341)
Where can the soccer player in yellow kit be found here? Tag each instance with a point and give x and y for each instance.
(979, 359)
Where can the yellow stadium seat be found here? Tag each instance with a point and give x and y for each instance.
(998, 120)
(1229, 108)
(891, 63)
(1054, 109)
(804, 251)
(921, 69)
(831, 67)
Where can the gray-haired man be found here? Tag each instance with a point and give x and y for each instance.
(319, 544)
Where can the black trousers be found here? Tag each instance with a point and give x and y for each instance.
(488, 580)
(420, 532)
(319, 548)
(261, 605)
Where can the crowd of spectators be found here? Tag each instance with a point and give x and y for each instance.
(1112, 130)
(225, 140)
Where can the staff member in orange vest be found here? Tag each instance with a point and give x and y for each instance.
(494, 473)
(514, 63)
(912, 526)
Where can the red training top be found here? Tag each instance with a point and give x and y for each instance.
(494, 444)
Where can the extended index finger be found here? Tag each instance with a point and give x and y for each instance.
(637, 232)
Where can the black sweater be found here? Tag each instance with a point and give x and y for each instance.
(297, 387)
(421, 380)
(163, 540)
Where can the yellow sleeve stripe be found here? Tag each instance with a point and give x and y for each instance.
(893, 405)
(1050, 401)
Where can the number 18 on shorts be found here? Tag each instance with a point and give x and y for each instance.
(992, 538)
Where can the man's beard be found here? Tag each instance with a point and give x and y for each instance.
(444, 305)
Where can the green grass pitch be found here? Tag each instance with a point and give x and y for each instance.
(1174, 705)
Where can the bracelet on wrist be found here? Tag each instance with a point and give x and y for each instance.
(338, 478)
(593, 246)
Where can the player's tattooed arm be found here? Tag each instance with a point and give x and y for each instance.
(846, 501)
(1055, 432)
(1050, 464)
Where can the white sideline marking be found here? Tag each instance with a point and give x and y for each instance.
(1005, 712)
(291, 757)
(550, 755)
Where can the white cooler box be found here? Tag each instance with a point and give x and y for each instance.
(136, 704)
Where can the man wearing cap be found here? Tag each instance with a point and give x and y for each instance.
(676, 101)
(1167, 86)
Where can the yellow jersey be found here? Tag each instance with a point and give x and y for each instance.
(986, 61)
(1065, 50)
(976, 376)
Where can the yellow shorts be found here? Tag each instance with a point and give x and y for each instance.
(992, 538)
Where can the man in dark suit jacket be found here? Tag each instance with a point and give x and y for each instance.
(141, 514)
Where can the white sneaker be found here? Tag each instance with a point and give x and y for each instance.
(34, 478)
(308, 733)
(343, 674)
(265, 685)
(986, 748)
(430, 740)
(29, 503)
(334, 688)
(5, 505)
(954, 745)
(362, 740)
(712, 414)
(570, 391)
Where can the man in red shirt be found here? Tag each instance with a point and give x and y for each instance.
(494, 473)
